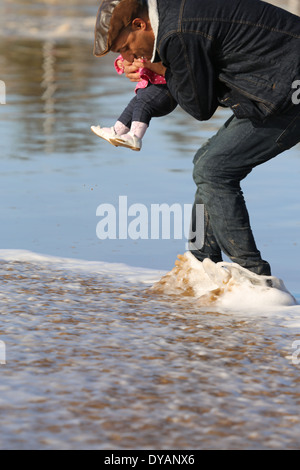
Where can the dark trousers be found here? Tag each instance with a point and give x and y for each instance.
(153, 101)
(219, 167)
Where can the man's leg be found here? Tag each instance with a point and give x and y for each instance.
(224, 161)
(203, 243)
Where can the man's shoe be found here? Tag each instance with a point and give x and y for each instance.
(130, 141)
(107, 133)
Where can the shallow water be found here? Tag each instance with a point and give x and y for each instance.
(94, 358)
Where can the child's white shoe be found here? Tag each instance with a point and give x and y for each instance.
(130, 141)
(107, 133)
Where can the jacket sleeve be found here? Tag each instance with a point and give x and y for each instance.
(190, 74)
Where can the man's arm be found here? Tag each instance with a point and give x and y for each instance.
(156, 67)
(190, 74)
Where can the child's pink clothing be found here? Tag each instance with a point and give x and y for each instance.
(145, 74)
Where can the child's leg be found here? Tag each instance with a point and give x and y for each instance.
(138, 128)
(125, 120)
(122, 126)
(118, 129)
(153, 101)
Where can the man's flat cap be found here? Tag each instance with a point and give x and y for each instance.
(112, 18)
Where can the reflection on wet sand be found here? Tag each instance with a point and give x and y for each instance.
(48, 96)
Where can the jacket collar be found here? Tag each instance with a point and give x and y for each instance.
(154, 21)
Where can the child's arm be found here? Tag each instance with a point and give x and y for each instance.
(119, 65)
(157, 67)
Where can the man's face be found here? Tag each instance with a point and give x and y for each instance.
(135, 42)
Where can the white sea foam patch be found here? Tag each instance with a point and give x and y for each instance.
(227, 285)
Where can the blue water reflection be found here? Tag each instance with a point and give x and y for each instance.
(55, 172)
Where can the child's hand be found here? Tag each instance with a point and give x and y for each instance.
(120, 64)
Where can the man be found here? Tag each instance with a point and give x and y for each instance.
(243, 54)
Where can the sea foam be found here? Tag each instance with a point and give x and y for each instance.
(223, 284)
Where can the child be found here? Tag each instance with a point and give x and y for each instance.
(152, 99)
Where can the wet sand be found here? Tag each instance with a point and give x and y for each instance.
(95, 363)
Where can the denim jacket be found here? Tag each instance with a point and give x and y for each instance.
(244, 54)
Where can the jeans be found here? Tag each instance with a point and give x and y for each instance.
(149, 102)
(219, 167)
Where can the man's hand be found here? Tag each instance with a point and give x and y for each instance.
(157, 67)
(131, 69)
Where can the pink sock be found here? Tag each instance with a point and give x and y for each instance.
(120, 128)
(138, 129)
